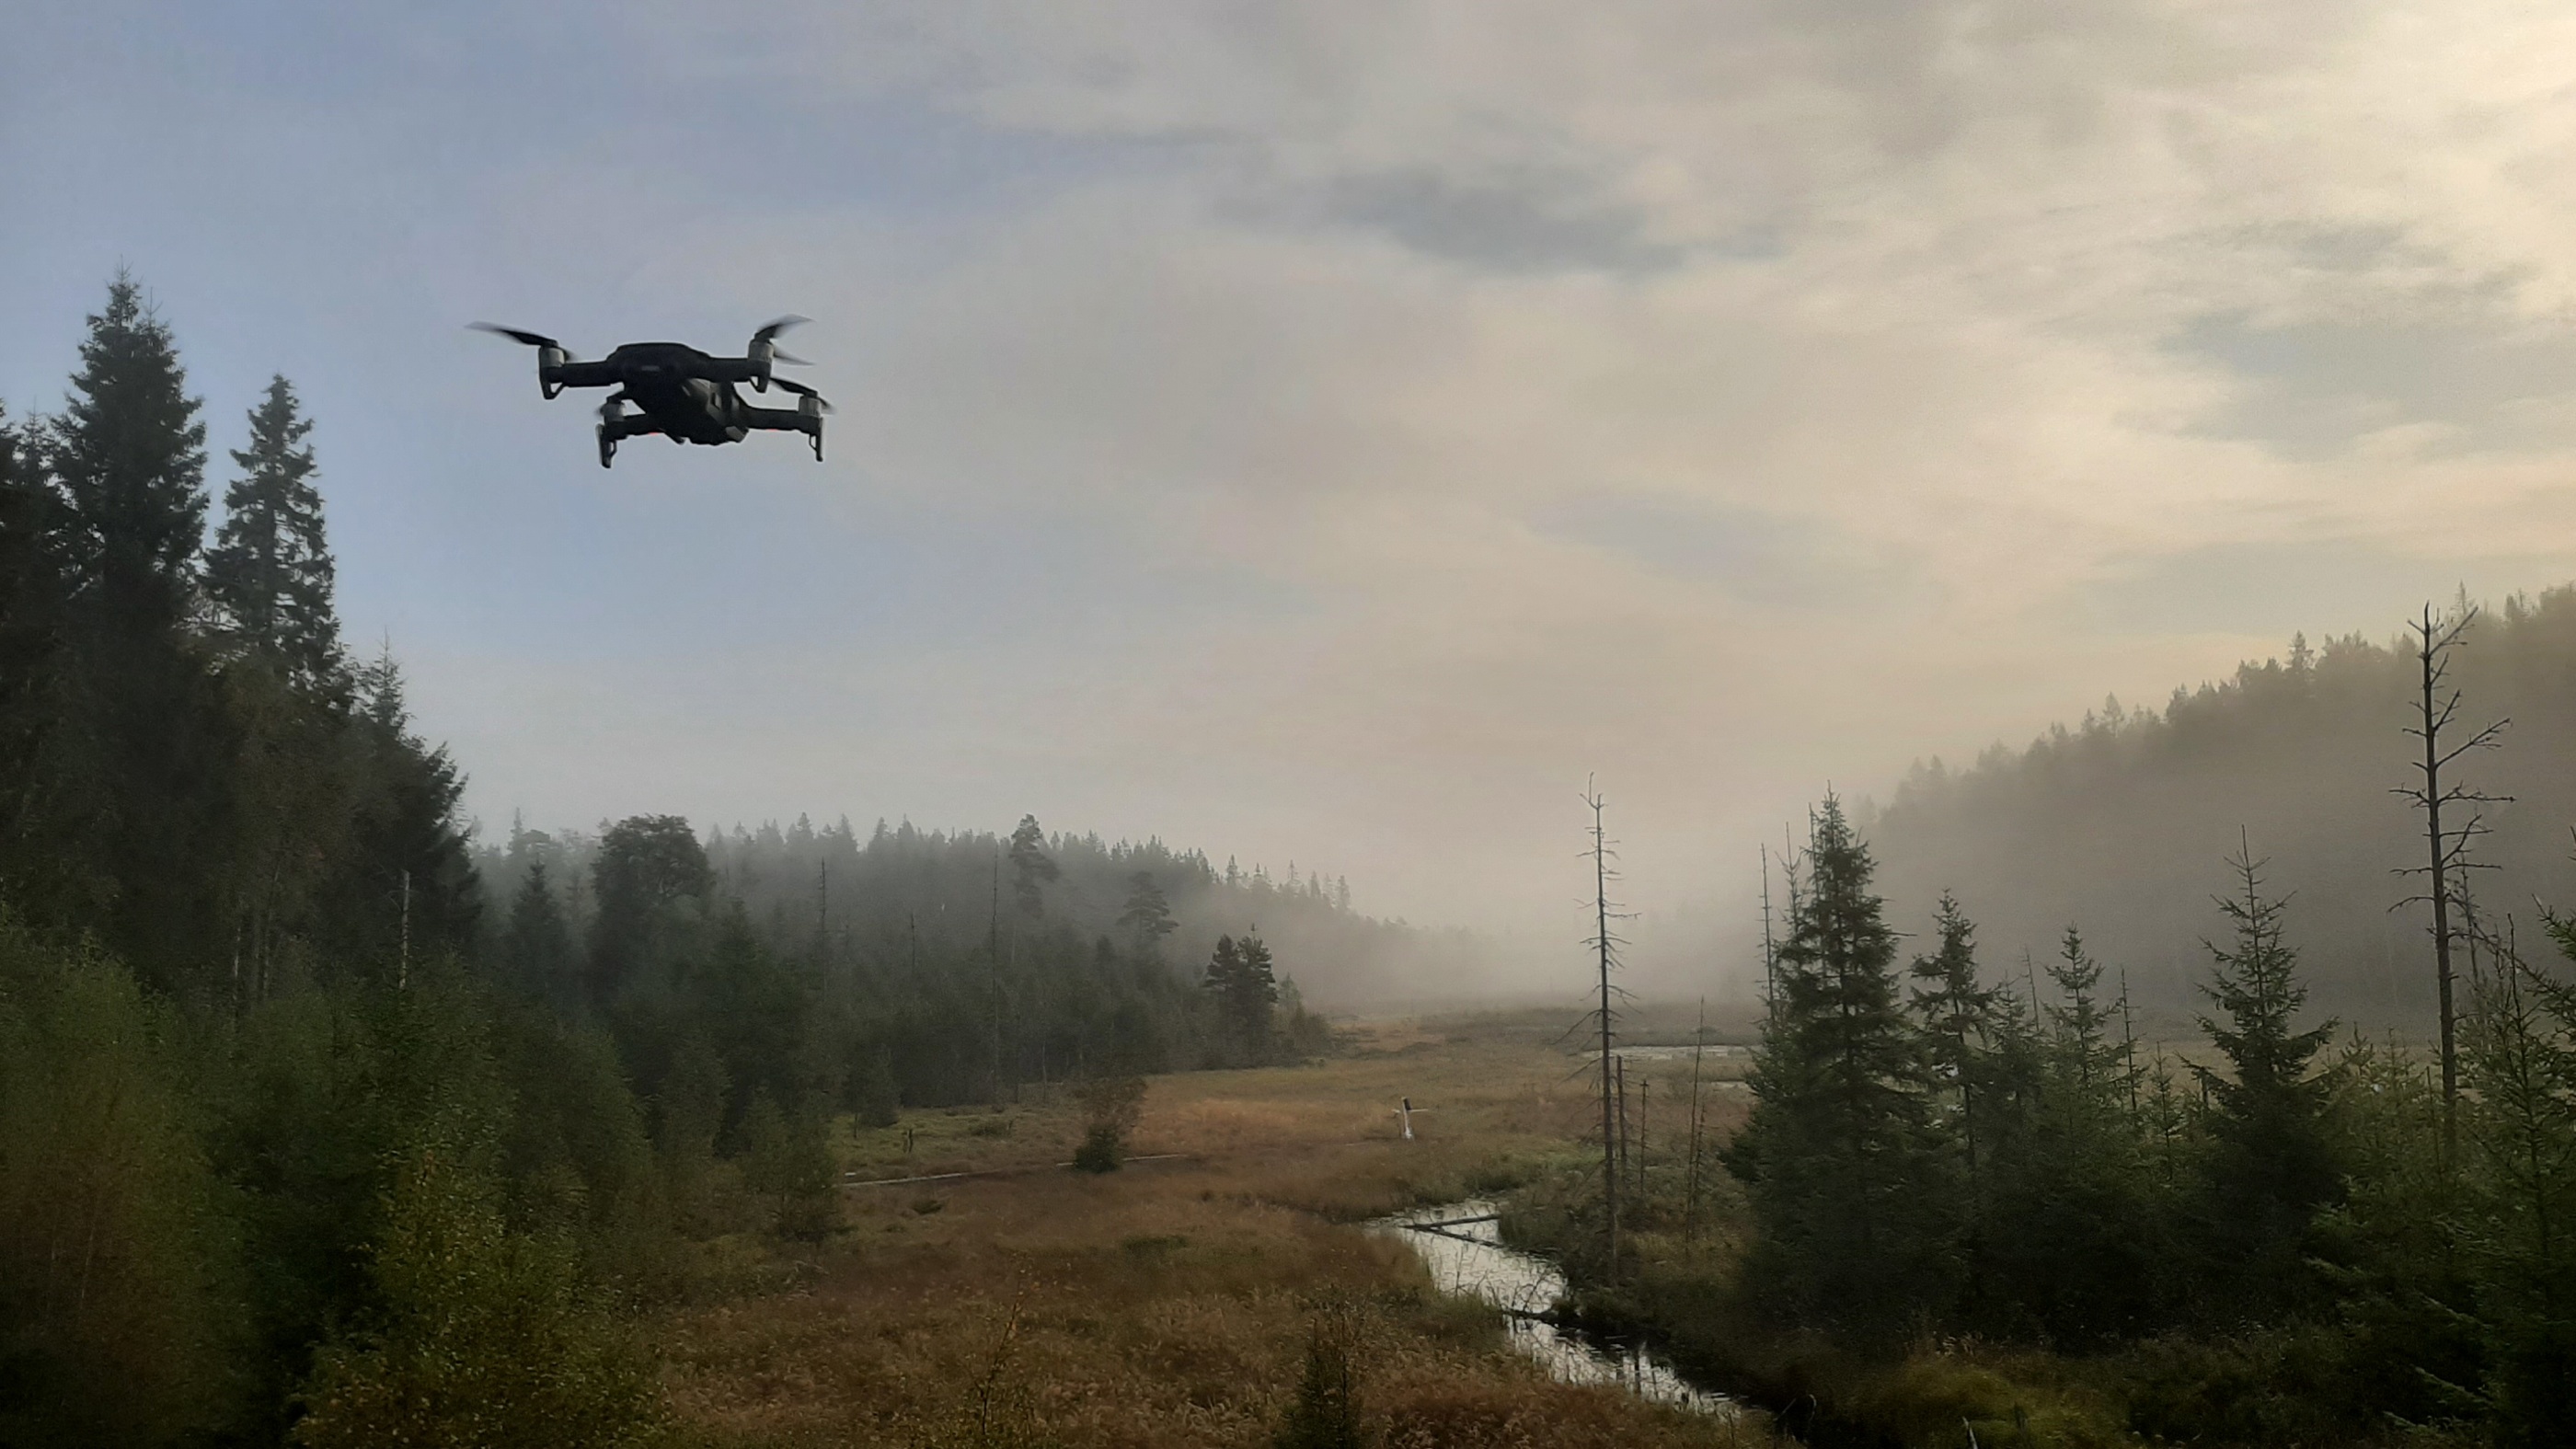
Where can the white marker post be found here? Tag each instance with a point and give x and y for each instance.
(1406, 1113)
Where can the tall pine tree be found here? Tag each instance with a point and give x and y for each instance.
(269, 573)
(144, 750)
(1851, 1189)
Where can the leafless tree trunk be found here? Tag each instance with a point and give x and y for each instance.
(1605, 946)
(1690, 1191)
(2446, 847)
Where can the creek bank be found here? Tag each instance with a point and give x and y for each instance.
(1461, 1244)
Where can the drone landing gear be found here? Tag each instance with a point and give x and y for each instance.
(607, 446)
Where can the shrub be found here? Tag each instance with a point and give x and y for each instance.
(486, 1337)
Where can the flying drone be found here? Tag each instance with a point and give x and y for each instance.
(686, 395)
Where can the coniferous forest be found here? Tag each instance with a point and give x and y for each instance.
(319, 1119)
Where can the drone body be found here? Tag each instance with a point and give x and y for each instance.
(685, 395)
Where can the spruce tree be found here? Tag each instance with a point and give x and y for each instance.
(1256, 992)
(268, 582)
(1852, 1195)
(269, 574)
(129, 453)
(538, 949)
(405, 889)
(2271, 1167)
(2521, 1227)
(1954, 1010)
(2068, 1232)
(146, 768)
(1958, 1028)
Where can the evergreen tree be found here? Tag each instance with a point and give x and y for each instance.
(269, 574)
(407, 888)
(1954, 1010)
(142, 763)
(129, 453)
(1031, 867)
(2068, 1233)
(1241, 983)
(1256, 991)
(2270, 1167)
(36, 835)
(1147, 918)
(2521, 1231)
(538, 950)
(1957, 1016)
(268, 582)
(1845, 1171)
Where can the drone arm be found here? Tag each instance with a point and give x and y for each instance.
(580, 374)
(806, 417)
(785, 420)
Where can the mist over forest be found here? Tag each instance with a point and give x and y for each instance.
(2120, 824)
(853, 904)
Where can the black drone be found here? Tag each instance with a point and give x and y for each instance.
(686, 395)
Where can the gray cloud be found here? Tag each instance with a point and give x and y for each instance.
(2314, 390)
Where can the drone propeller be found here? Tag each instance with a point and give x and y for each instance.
(767, 337)
(532, 339)
(801, 390)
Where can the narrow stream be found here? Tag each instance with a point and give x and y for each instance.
(1462, 1245)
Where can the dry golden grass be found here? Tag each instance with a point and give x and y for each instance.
(1167, 1304)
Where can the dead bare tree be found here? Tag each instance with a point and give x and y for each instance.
(1605, 944)
(2437, 708)
(1698, 1121)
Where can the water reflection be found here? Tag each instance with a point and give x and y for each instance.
(1462, 1245)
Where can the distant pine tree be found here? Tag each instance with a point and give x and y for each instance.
(1241, 983)
(269, 574)
(538, 950)
(1031, 867)
(1147, 918)
(1850, 1187)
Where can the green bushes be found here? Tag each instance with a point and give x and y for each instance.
(118, 1266)
(483, 1334)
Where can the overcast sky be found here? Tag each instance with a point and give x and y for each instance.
(1328, 431)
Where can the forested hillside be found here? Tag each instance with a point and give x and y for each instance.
(2117, 824)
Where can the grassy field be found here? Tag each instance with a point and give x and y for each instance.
(1171, 1303)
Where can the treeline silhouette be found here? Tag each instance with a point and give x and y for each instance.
(318, 1123)
(2111, 822)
